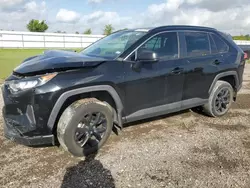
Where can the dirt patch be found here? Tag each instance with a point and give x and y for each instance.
(242, 102)
(221, 127)
(247, 86)
(218, 161)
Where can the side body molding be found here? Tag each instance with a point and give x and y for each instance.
(66, 95)
(223, 74)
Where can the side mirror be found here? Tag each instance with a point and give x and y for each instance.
(146, 56)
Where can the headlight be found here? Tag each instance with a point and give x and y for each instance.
(21, 85)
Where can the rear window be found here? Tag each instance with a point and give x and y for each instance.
(220, 44)
(197, 43)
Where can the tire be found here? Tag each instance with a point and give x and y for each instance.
(77, 117)
(211, 107)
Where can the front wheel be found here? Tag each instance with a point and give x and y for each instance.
(220, 99)
(85, 126)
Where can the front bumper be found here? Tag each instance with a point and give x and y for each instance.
(25, 116)
(12, 134)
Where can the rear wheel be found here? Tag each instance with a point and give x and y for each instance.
(85, 126)
(220, 99)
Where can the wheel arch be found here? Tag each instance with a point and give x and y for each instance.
(225, 76)
(98, 88)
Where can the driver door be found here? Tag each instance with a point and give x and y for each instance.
(152, 89)
(142, 87)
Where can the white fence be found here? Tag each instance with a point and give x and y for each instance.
(242, 42)
(12, 39)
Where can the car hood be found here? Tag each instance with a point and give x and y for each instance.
(56, 60)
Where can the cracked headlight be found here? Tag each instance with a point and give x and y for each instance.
(22, 85)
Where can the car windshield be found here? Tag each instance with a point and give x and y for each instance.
(113, 45)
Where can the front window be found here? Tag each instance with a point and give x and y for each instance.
(165, 45)
(113, 45)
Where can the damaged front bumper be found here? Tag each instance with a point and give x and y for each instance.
(25, 120)
(12, 133)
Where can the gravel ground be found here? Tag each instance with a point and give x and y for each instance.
(184, 149)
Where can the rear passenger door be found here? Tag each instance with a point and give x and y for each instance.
(171, 70)
(202, 60)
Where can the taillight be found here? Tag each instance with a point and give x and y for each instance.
(245, 56)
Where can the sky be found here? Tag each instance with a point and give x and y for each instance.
(231, 16)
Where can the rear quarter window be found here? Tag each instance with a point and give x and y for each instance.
(220, 44)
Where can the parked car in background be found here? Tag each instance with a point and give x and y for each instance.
(78, 98)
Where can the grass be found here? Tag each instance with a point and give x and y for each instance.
(11, 58)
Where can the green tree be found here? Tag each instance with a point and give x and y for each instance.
(87, 32)
(37, 26)
(108, 29)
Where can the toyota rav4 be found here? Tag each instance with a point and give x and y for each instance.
(79, 98)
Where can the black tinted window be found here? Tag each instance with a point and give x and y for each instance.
(197, 44)
(220, 44)
(153, 44)
(165, 45)
(212, 44)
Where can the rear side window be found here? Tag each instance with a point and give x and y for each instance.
(220, 44)
(197, 43)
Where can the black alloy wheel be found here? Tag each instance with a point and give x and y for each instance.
(85, 126)
(222, 100)
(91, 129)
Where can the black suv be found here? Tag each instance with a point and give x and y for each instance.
(79, 98)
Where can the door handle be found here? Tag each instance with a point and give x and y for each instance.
(177, 70)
